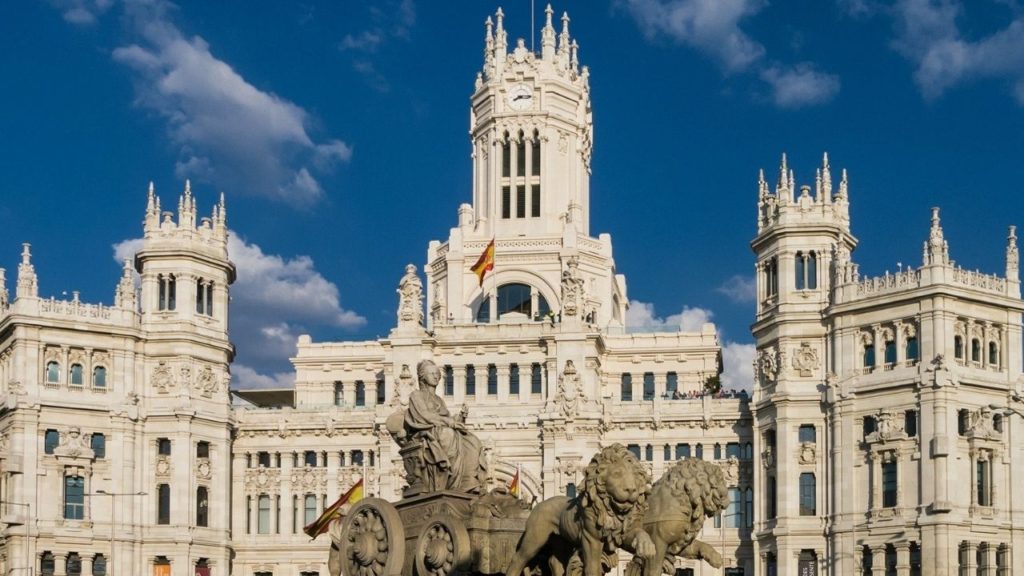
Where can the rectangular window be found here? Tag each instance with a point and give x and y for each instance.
(263, 459)
(748, 508)
(870, 425)
(98, 443)
(626, 392)
(648, 386)
(808, 433)
(99, 377)
(666, 455)
(682, 451)
(163, 497)
(634, 449)
(732, 450)
(163, 446)
(202, 449)
(202, 506)
(470, 380)
(263, 515)
(520, 201)
(74, 497)
(449, 381)
(536, 382)
(890, 352)
(309, 509)
(535, 157)
(381, 392)
(309, 458)
(506, 159)
(910, 423)
(889, 484)
(50, 441)
(808, 498)
(521, 157)
(772, 497)
(915, 559)
(357, 457)
(535, 200)
(733, 519)
(360, 394)
(506, 202)
(671, 384)
(492, 380)
(513, 379)
(984, 494)
(649, 453)
(698, 451)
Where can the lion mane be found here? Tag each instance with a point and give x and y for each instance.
(700, 484)
(594, 491)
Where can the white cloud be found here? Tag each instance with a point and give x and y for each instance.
(273, 300)
(711, 26)
(800, 85)
(928, 35)
(641, 317)
(244, 377)
(227, 131)
(82, 12)
(739, 288)
(738, 367)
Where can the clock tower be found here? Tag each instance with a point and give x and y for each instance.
(531, 132)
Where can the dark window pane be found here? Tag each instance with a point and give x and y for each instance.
(807, 433)
(99, 377)
(360, 393)
(470, 380)
(449, 381)
(535, 169)
(536, 383)
(163, 446)
(520, 201)
(74, 497)
(807, 494)
(626, 391)
(513, 379)
(163, 515)
(506, 159)
(492, 379)
(535, 200)
(889, 484)
(202, 449)
(50, 441)
(910, 423)
(506, 202)
(98, 443)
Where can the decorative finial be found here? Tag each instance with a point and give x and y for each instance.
(500, 17)
(1012, 255)
(26, 253)
(548, 13)
(489, 26)
(826, 177)
(188, 187)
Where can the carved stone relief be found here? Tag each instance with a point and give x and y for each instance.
(805, 359)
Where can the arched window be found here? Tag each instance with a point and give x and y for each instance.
(202, 506)
(76, 374)
(890, 352)
(506, 177)
(168, 290)
(209, 298)
(99, 377)
(360, 393)
(911, 349)
(521, 176)
(975, 350)
(771, 277)
(812, 271)
(309, 509)
(801, 271)
(514, 298)
(47, 565)
(99, 565)
(535, 176)
(869, 355)
(52, 372)
(74, 497)
(993, 354)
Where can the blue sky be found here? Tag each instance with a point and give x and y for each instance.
(338, 133)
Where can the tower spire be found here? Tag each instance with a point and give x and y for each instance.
(1012, 255)
(124, 294)
(547, 36)
(826, 178)
(28, 284)
(783, 189)
(936, 249)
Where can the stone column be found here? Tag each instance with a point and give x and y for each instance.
(86, 565)
(903, 559)
(969, 565)
(503, 382)
(60, 564)
(989, 559)
(349, 392)
(459, 384)
(1004, 561)
(878, 561)
(371, 391)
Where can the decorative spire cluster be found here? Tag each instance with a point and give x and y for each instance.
(560, 52)
(28, 284)
(770, 204)
(124, 294)
(161, 224)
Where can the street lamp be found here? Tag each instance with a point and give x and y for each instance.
(113, 518)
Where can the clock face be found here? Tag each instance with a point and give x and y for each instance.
(520, 97)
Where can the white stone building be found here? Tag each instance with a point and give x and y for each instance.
(869, 439)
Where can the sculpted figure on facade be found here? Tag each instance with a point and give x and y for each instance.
(410, 298)
(570, 391)
(438, 451)
(573, 290)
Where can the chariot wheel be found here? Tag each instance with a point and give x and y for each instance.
(443, 548)
(372, 540)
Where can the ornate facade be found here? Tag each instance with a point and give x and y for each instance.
(870, 442)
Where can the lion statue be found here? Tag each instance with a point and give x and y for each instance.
(680, 500)
(581, 535)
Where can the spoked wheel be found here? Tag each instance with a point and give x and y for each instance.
(372, 540)
(443, 548)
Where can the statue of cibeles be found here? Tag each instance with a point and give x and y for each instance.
(617, 508)
(437, 449)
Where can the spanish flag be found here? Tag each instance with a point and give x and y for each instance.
(513, 484)
(321, 524)
(485, 263)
